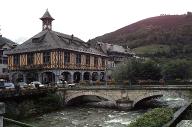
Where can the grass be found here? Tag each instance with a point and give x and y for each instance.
(152, 49)
(154, 118)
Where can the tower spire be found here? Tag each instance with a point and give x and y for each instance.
(47, 21)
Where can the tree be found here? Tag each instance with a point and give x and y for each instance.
(135, 69)
(176, 69)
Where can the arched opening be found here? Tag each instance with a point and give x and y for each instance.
(102, 76)
(76, 77)
(95, 76)
(86, 76)
(32, 76)
(66, 76)
(17, 77)
(85, 99)
(48, 77)
(147, 102)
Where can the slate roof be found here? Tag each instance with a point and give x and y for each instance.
(106, 47)
(47, 15)
(48, 39)
(4, 41)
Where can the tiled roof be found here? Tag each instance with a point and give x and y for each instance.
(46, 40)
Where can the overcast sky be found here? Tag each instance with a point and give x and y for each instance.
(86, 19)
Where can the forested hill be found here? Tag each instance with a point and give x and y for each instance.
(161, 34)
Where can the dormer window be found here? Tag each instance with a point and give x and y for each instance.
(38, 39)
(4, 48)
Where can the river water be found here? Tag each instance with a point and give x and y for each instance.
(84, 117)
(91, 117)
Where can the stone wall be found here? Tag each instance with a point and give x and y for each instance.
(132, 95)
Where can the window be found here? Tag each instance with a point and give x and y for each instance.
(1, 52)
(30, 58)
(78, 59)
(38, 39)
(95, 61)
(1, 60)
(4, 70)
(46, 58)
(5, 60)
(16, 59)
(87, 59)
(103, 62)
(66, 58)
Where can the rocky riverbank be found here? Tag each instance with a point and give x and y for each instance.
(28, 107)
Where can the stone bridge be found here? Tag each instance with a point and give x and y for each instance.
(133, 95)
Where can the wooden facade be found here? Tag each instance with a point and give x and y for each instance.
(56, 61)
(50, 56)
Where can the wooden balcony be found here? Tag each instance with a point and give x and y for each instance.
(55, 66)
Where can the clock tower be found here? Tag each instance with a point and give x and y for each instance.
(47, 21)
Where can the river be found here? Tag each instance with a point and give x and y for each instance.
(84, 117)
(92, 117)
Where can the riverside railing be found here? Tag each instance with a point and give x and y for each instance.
(21, 124)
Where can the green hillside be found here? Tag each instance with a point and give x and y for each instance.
(152, 49)
(168, 35)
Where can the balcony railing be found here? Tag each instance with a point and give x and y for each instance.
(55, 66)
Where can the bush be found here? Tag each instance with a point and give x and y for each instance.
(97, 82)
(126, 82)
(82, 82)
(111, 82)
(154, 118)
(134, 69)
(176, 69)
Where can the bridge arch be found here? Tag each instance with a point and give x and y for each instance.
(147, 97)
(88, 93)
(171, 93)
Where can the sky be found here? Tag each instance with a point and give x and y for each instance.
(85, 19)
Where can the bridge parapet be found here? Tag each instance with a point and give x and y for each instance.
(134, 95)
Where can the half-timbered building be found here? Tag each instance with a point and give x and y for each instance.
(50, 56)
(5, 45)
